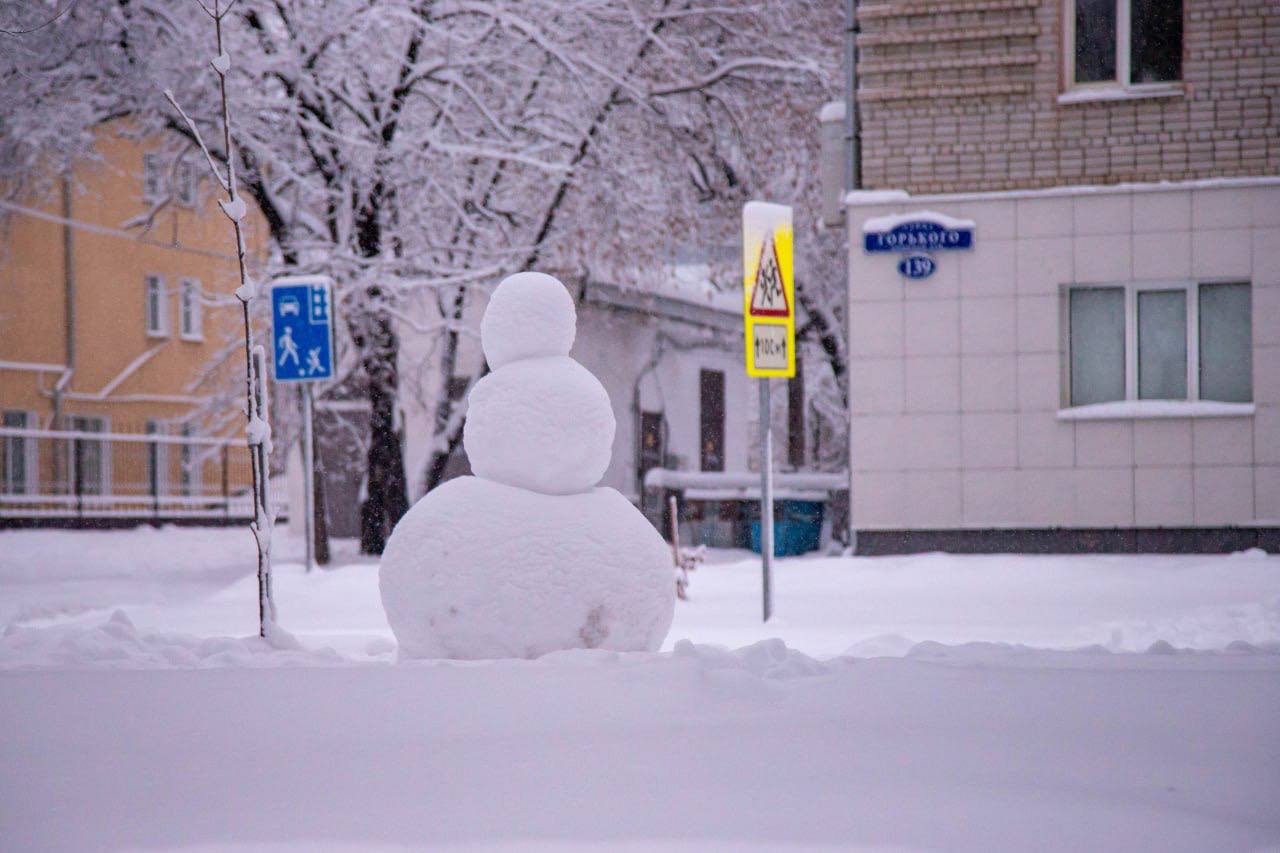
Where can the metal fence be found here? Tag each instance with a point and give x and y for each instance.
(62, 476)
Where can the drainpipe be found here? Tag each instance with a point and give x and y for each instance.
(69, 314)
(69, 273)
(852, 181)
(852, 125)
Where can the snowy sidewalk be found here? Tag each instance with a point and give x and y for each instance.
(198, 582)
(987, 704)
(759, 750)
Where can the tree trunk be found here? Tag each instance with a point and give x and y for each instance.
(446, 403)
(388, 495)
(320, 511)
(824, 324)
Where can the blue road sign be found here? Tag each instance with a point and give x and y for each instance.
(302, 329)
(917, 266)
(925, 234)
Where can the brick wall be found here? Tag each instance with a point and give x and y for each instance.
(962, 95)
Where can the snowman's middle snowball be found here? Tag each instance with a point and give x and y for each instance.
(543, 424)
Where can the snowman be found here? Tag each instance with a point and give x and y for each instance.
(528, 556)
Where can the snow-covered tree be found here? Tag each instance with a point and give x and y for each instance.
(412, 146)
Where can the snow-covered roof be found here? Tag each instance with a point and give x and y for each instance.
(868, 197)
(745, 481)
(692, 283)
(688, 293)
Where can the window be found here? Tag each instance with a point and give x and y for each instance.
(192, 321)
(1123, 43)
(90, 463)
(185, 176)
(18, 455)
(651, 448)
(157, 460)
(711, 418)
(155, 307)
(192, 464)
(1160, 341)
(152, 177)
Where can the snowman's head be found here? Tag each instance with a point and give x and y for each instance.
(530, 315)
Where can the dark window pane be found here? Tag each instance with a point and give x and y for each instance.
(14, 457)
(711, 394)
(1226, 343)
(1097, 345)
(1162, 345)
(1095, 40)
(651, 444)
(1155, 41)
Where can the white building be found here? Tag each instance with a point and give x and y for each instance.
(1100, 369)
(1102, 358)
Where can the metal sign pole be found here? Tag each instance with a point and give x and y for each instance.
(769, 326)
(309, 475)
(766, 497)
(302, 322)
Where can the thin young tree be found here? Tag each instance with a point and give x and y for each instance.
(258, 424)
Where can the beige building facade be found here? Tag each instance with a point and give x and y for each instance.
(1100, 367)
(979, 95)
(117, 317)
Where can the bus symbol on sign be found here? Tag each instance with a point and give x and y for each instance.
(917, 266)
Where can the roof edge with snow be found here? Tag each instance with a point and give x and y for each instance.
(859, 198)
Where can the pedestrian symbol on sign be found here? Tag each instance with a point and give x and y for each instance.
(768, 296)
(288, 348)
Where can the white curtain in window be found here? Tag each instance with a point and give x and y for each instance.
(1162, 345)
(1226, 343)
(1097, 345)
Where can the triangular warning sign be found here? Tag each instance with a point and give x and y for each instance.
(768, 296)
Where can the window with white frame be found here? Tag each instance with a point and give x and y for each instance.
(89, 458)
(18, 455)
(152, 177)
(1125, 44)
(192, 321)
(185, 176)
(155, 308)
(192, 464)
(1184, 341)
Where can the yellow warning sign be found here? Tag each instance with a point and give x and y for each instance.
(768, 307)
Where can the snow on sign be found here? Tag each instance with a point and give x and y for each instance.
(768, 290)
(302, 329)
(924, 230)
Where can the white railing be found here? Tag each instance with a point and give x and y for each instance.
(48, 475)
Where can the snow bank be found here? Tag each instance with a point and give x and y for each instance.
(477, 569)
(543, 424)
(44, 573)
(116, 644)
(759, 749)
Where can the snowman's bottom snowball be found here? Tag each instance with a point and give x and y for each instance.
(477, 569)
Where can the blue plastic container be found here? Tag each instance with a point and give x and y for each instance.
(797, 528)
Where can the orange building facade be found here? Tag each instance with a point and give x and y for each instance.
(118, 318)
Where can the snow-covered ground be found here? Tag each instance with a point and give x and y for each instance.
(926, 702)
